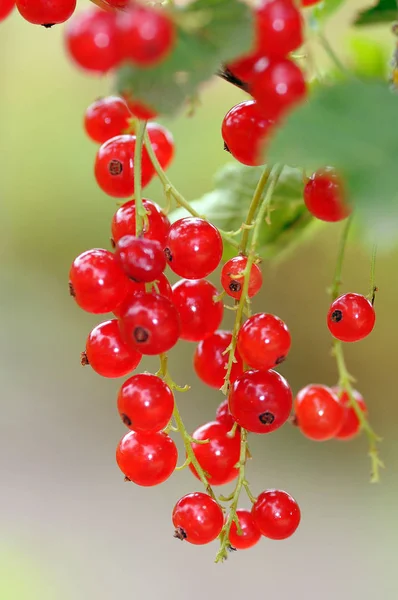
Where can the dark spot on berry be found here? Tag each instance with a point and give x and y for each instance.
(72, 290)
(126, 479)
(113, 243)
(280, 360)
(180, 534)
(336, 316)
(235, 286)
(126, 420)
(115, 167)
(267, 418)
(140, 335)
(48, 25)
(168, 254)
(84, 359)
(226, 148)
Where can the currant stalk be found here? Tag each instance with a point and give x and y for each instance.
(141, 215)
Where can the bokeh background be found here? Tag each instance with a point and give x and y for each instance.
(70, 528)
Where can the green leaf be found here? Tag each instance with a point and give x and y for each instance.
(322, 11)
(210, 32)
(385, 11)
(228, 204)
(352, 126)
(368, 58)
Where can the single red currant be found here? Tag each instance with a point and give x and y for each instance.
(351, 425)
(211, 359)
(279, 28)
(138, 109)
(162, 143)
(260, 401)
(150, 324)
(107, 353)
(276, 514)
(90, 39)
(156, 227)
(46, 12)
(219, 456)
(244, 68)
(351, 318)
(106, 118)
(114, 166)
(142, 259)
(250, 533)
(223, 415)
(146, 36)
(6, 6)
(200, 314)
(324, 196)
(198, 519)
(161, 286)
(97, 281)
(263, 341)
(146, 458)
(193, 248)
(145, 403)
(232, 277)
(318, 412)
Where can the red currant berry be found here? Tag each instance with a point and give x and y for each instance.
(161, 286)
(162, 143)
(200, 314)
(250, 534)
(198, 519)
(211, 359)
(138, 109)
(118, 3)
(156, 228)
(97, 281)
(318, 412)
(114, 166)
(46, 12)
(193, 248)
(279, 28)
(219, 456)
(150, 324)
(142, 259)
(90, 39)
(147, 458)
(310, 2)
(232, 277)
(146, 36)
(244, 131)
(324, 196)
(351, 318)
(244, 68)
(6, 6)
(107, 353)
(276, 514)
(277, 87)
(106, 118)
(263, 341)
(260, 401)
(145, 403)
(351, 425)
(223, 415)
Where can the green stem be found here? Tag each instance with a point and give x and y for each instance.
(334, 290)
(332, 55)
(253, 208)
(373, 287)
(140, 211)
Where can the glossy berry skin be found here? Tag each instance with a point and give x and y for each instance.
(223, 415)
(6, 7)
(260, 401)
(107, 353)
(46, 12)
(161, 286)
(232, 278)
(145, 403)
(318, 412)
(106, 118)
(279, 28)
(114, 167)
(244, 131)
(198, 519)
(276, 514)
(97, 281)
(351, 318)
(277, 87)
(210, 362)
(193, 248)
(263, 341)
(324, 196)
(147, 458)
(162, 143)
(145, 35)
(150, 324)
(250, 533)
(219, 456)
(351, 425)
(200, 315)
(123, 222)
(141, 259)
(90, 39)
(244, 68)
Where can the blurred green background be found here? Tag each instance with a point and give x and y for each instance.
(70, 528)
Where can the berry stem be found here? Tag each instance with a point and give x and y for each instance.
(373, 288)
(334, 290)
(247, 226)
(141, 215)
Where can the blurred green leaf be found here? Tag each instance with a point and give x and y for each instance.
(385, 11)
(322, 11)
(210, 32)
(368, 57)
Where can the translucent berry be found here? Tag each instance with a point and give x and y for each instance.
(97, 281)
(232, 277)
(147, 458)
(193, 248)
(276, 514)
(318, 412)
(46, 12)
(279, 28)
(223, 415)
(6, 6)
(198, 519)
(145, 403)
(263, 341)
(260, 401)
(350, 426)
(211, 359)
(250, 533)
(142, 259)
(351, 318)
(106, 118)
(161, 286)
(200, 314)
(156, 228)
(219, 456)
(162, 143)
(324, 196)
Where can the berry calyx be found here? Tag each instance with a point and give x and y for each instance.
(200, 314)
(276, 514)
(279, 28)
(324, 196)
(106, 118)
(141, 259)
(250, 533)
(223, 415)
(232, 277)
(351, 425)
(45, 12)
(351, 317)
(156, 225)
(318, 412)
(263, 341)
(198, 519)
(211, 359)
